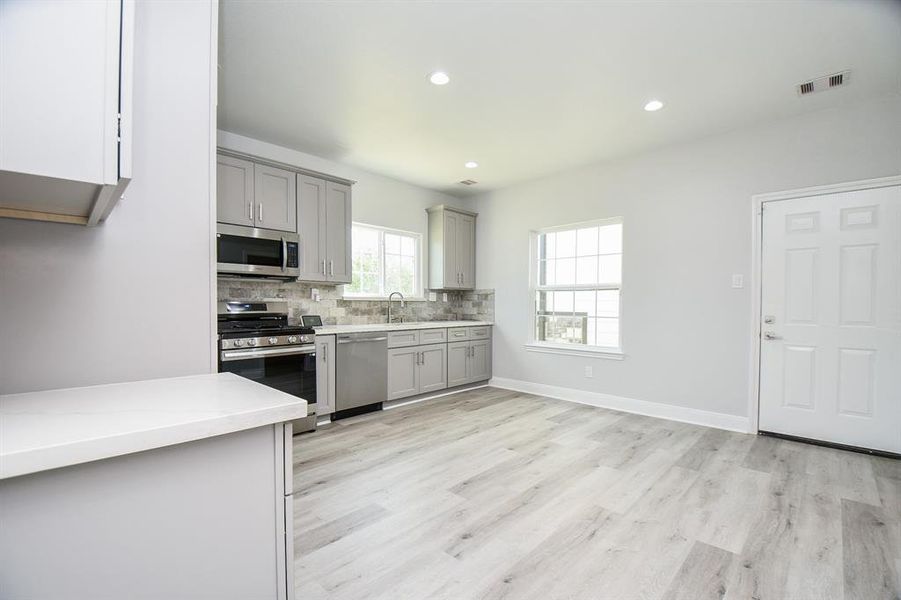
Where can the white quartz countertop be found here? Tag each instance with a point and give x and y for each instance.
(58, 428)
(333, 329)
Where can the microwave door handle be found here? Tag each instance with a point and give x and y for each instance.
(284, 255)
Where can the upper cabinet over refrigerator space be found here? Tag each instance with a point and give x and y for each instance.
(452, 248)
(65, 108)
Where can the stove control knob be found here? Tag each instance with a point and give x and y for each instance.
(292, 339)
(239, 343)
(251, 342)
(273, 340)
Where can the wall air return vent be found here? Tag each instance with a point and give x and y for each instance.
(823, 83)
(469, 182)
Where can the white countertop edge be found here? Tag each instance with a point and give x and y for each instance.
(46, 458)
(73, 452)
(334, 329)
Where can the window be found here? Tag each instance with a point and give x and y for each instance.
(384, 261)
(576, 281)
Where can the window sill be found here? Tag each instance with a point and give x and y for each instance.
(381, 299)
(592, 352)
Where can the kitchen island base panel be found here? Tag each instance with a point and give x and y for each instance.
(199, 519)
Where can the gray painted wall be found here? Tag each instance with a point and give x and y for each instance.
(130, 299)
(687, 229)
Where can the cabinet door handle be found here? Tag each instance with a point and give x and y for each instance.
(250, 211)
(331, 267)
(419, 358)
(325, 354)
(322, 268)
(260, 210)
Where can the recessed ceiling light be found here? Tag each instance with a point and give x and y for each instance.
(439, 78)
(653, 105)
(471, 164)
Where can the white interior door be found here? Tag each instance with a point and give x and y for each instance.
(830, 357)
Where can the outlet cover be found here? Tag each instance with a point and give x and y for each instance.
(738, 281)
(433, 296)
(444, 297)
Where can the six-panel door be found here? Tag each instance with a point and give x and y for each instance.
(830, 354)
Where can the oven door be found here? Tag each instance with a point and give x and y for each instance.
(289, 369)
(257, 252)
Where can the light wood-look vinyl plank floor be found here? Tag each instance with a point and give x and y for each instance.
(493, 494)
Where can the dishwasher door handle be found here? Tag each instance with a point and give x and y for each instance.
(350, 340)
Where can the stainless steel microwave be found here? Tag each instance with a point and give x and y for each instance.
(257, 252)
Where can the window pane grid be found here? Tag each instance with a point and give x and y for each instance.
(578, 273)
(384, 261)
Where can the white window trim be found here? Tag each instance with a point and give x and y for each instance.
(419, 290)
(533, 345)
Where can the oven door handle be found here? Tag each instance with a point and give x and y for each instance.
(230, 355)
(284, 254)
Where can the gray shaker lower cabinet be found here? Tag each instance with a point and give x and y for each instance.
(432, 368)
(468, 362)
(403, 372)
(325, 374)
(457, 363)
(479, 360)
(416, 370)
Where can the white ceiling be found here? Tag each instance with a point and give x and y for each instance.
(536, 87)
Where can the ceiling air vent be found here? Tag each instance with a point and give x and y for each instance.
(469, 182)
(823, 83)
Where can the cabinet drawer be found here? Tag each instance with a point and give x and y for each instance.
(479, 333)
(457, 333)
(398, 339)
(432, 336)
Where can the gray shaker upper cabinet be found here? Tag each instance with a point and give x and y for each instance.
(324, 218)
(310, 227)
(66, 109)
(452, 248)
(234, 191)
(255, 195)
(338, 227)
(275, 196)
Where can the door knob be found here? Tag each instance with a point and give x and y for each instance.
(769, 335)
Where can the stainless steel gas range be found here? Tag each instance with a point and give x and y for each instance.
(257, 342)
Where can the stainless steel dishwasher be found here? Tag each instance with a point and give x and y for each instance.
(362, 370)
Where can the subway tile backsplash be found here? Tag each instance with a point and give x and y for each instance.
(335, 310)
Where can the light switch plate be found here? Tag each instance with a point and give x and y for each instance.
(738, 281)
(589, 372)
(314, 295)
(444, 297)
(433, 296)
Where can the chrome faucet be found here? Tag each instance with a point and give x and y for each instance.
(390, 296)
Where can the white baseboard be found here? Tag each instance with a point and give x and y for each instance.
(640, 407)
